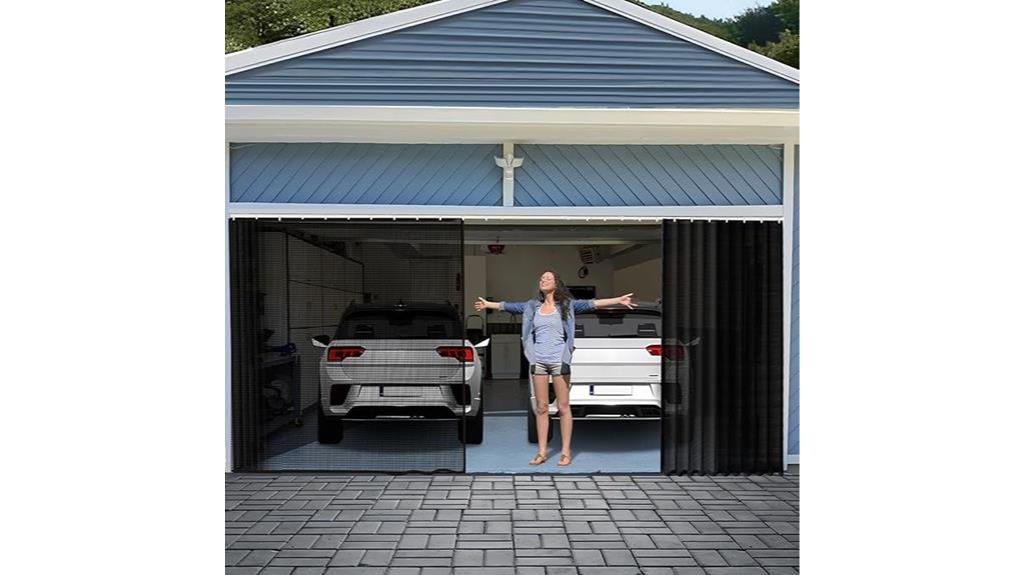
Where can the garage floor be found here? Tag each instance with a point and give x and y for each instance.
(502, 524)
(597, 446)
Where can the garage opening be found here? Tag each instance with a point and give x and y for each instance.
(356, 346)
(615, 395)
(348, 347)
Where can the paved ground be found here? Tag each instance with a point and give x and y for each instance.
(511, 524)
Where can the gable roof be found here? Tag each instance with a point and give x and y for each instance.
(267, 54)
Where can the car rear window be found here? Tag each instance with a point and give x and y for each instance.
(398, 324)
(618, 323)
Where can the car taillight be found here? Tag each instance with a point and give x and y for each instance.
(673, 352)
(342, 353)
(460, 353)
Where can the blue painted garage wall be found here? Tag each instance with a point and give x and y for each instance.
(545, 53)
(327, 173)
(465, 175)
(794, 334)
(577, 175)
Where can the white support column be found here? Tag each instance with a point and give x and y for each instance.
(227, 312)
(508, 163)
(788, 180)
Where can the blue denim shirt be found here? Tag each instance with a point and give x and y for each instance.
(529, 309)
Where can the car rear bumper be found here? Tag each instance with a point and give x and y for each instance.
(357, 402)
(641, 401)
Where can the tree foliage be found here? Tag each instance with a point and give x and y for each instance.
(788, 11)
(786, 50)
(720, 28)
(250, 23)
(757, 25)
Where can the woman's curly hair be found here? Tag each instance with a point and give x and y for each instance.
(561, 294)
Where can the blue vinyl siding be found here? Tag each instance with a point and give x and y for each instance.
(794, 334)
(465, 174)
(519, 53)
(685, 175)
(405, 174)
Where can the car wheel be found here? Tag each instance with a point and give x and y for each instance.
(472, 429)
(328, 429)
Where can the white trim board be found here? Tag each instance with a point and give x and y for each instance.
(496, 115)
(788, 183)
(394, 21)
(228, 453)
(699, 37)
(465, 125)
(595, 215)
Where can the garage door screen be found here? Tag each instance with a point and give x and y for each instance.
(347, 347)
(722, 347)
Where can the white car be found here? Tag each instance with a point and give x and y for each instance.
(399, 361)
(616, 367)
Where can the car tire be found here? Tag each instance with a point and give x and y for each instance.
(328, 429)
(472, 429)
(531, 427)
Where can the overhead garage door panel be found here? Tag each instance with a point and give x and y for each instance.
(722, 358)
(388, 385)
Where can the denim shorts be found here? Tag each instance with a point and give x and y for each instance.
(549, 369)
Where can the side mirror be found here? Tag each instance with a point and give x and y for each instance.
(483, 343)
(321, 341)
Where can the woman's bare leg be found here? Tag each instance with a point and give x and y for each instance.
(564, 413)
(540, 392)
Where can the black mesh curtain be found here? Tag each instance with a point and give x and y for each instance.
(722, 359)
(246, 420)
(348, 347)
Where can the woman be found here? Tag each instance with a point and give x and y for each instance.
(548, 328)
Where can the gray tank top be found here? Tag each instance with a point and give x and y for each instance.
(549, 337)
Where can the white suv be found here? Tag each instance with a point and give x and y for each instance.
(405, 361)
(616, 367)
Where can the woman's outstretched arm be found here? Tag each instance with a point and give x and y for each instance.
(626, 300)
(506, 306)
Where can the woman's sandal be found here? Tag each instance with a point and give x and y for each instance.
(543, 457)
(567, 459)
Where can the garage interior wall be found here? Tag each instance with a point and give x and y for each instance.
(512, 275)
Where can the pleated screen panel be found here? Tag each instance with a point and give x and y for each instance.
(722, 362)
(348, 348)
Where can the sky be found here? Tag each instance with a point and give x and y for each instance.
(712, 8)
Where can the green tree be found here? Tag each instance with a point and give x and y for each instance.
(320, 14)
(757, 25)
(786, 50)
(719, 28)
(788, 12)
(249, 23)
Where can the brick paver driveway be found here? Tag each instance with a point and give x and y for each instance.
(514, 524)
